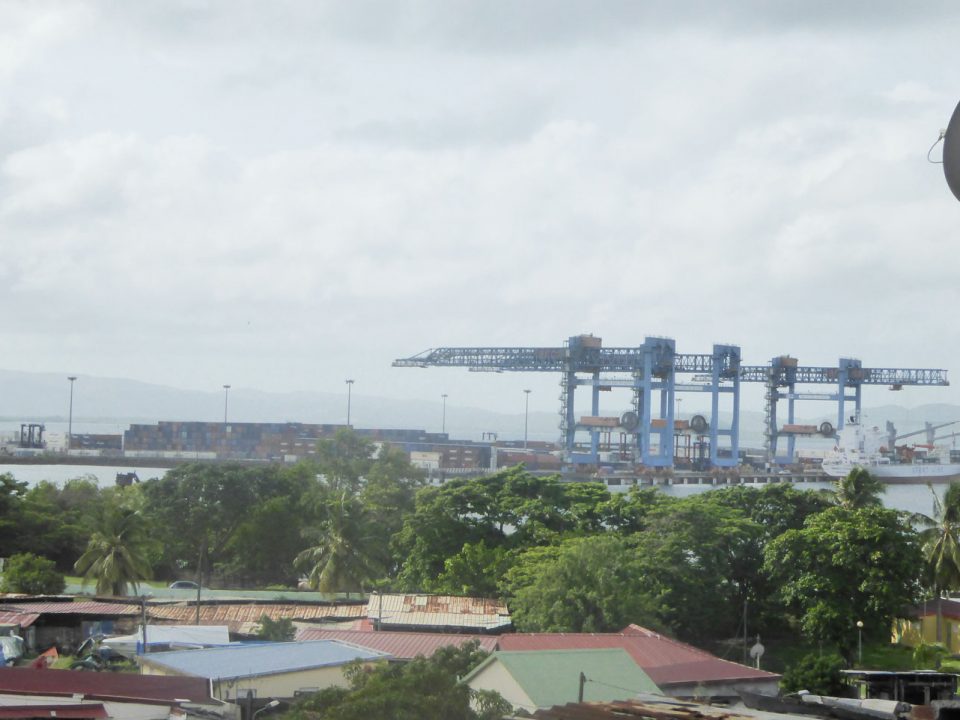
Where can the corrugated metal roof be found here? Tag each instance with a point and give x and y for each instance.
(666, 661)
(84, 607)
(245, 618)
(401, 645)
(74, 711)
(438, 611)
(23, 619)
(646, 707)
(105, 686)
(251, 660)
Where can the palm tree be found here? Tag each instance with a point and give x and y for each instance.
(115, 555)
(940, 536)
(859, 489)
(347, 553)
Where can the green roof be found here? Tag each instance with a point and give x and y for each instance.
(552, 677)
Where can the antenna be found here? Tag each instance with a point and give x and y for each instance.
(951, 153)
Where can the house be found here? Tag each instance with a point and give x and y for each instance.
(932, 621)
(261, 670)
(530, 680)
(649, 706)
(67, 624)
(399, 645)
(678, 669)
(26, 692)
(437, 613)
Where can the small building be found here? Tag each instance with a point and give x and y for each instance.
(438, 613)
(542, 679)
(917, 687)
(931, 621)
(243, 618)
(678, 669)
(122, 696)
(66, 624)
(263, 670)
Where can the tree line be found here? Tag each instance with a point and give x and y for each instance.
(565, 556)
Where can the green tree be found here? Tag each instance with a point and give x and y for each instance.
(116, 555)
(859, 489)
(32, 575)
(423, 689)
(346, 554)
(589, 584)
(846, 566)
(818, 674)
(940, 538)
(281, 630)
(11, 501)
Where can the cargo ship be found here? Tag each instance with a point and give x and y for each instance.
(859, 446)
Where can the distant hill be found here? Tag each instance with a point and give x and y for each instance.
(114, 403)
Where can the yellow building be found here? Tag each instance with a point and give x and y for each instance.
(924, 620)
(264, 670)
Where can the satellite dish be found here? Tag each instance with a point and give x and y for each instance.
(951, 153)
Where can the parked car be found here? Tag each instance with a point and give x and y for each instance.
(183, 585)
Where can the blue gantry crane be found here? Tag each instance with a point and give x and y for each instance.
(652, 370)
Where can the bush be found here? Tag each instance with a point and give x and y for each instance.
(820, 674)
(32, 575)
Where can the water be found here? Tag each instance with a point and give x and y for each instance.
(105, 475)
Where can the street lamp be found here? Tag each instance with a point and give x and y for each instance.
(443, 425)
(860, 643)
(72, 379)
(269, 706)
(349, 389)
(526, 417)
(679, 400)
(226, 396)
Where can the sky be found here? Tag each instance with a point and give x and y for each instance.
(286, 195)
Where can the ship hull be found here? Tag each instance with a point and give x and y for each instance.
(901, 474)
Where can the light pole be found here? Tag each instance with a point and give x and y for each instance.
(72, 379)
(443, 424)
(349, 392)
(226, 443)
(860, 643)
(526, 416)
(269, 706)
(226, 398)
(679, 400)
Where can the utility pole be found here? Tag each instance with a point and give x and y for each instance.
(349, 389)
(583, 681)
(526, 417)
(72, 379)
(443, 425)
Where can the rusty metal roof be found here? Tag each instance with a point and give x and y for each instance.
(665, 660)
(401, 645)
(446, 611)
(245, 618)
(22, 619)
(84, 607)
(648, 708)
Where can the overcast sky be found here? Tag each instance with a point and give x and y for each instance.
(282, 195)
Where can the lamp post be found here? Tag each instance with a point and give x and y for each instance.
(226, 443)
(443, 424)
(349, 392)
(72, 379)
(269, 706)
(679, 400)
(526, 416)
(226, 398)
(860, 643)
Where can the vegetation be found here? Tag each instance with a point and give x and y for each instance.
(27, 573)
(806, 566)
(818, 674)
(423, 689)
(281, 630)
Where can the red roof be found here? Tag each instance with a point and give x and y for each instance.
(402, 645)
(105, 686)
(80, 711)
(23, 619)
(666, 661)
